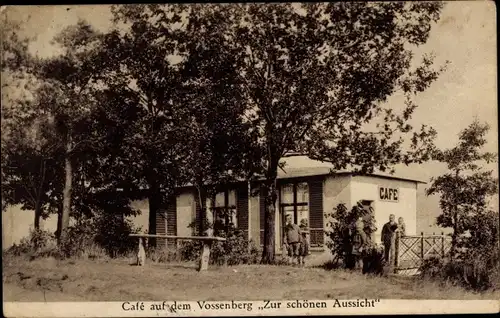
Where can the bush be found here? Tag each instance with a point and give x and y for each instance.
(432, 268)
(113, 235)
(373, 261)
(38, 243)
(236, 250)
(339, 229)
(80, 238)
(474, 271)
(103, 235)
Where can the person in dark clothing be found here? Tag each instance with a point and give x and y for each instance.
(292, 239)
(387, 234)
(360, 241)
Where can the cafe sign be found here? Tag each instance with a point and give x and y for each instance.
(388, 194)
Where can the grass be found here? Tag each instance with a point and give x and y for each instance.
(48, 279)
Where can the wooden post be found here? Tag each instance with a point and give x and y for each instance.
(396, 251)
(421, 247)
(392, 253)
(205, 256)
(141, 253)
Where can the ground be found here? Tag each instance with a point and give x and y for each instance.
(115, 280)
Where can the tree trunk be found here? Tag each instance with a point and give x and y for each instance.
(68, 171)
(38, 214)
(59, 222)
(268, 252)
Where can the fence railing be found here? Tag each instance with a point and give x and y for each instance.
(411, 251)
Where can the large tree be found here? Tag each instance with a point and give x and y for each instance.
(316, 77)
(220, 146)
(28, 152)
(181, 80)
(67, 95)
(466, 189)
(144, 83)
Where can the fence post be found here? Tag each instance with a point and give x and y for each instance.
(396, 251)
(392, 253)
(421, 247)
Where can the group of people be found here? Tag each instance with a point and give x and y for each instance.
(389, 230)
(362, 248)
(296, 241)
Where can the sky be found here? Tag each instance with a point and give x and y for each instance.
(465, 36)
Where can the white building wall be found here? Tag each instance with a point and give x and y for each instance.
(367, 188)
(186, 212)
(254, 217)
(336, 190)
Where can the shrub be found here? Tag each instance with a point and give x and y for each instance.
(113, 235)
(373, 261)
(80, 237)
(432, 268)
(236, 250)
(37, 243)
(339, 229)
(100, 236)
(472, 270)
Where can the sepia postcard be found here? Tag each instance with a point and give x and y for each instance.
(253, 159)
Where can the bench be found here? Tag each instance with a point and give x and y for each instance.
(205, 253)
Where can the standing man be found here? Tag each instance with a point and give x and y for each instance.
(292, 239)
(359, 242)
(387, 234)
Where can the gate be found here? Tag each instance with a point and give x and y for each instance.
(411, 251)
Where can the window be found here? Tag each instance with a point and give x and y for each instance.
(224, 210)
(295, 202)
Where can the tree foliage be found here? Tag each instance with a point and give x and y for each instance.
(208, 94)
(465, 190)
(315, 75)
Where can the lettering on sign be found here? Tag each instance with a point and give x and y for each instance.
(388, 194)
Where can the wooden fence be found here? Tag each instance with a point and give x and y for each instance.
(411, 251)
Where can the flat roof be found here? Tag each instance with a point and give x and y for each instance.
(319, 171)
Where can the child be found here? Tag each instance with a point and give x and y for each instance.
(401, 227)
(305, 242)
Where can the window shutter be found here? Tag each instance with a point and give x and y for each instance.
(197, 220)
(161, 216)
(316, 212)
(172, 219)
(242, 209)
